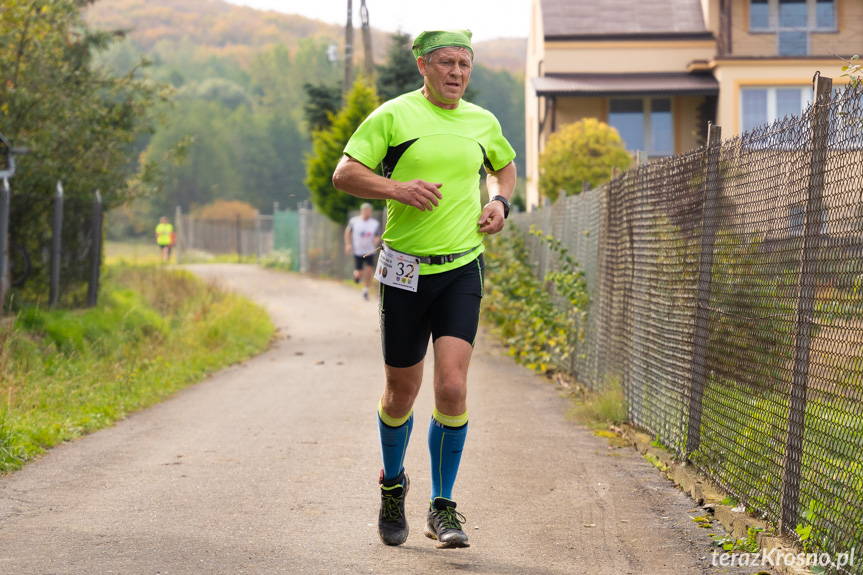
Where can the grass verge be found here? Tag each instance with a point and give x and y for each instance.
(601, 411)
(66, 373)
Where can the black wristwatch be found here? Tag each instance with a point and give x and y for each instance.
(505, 203)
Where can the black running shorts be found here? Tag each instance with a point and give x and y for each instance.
(368, 260)
(445, 304)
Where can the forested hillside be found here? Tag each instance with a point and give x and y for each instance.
(237, 126)
(237, 32)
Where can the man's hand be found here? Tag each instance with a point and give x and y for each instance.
(419, 194)
(357, 179)
(349, 249)
(491, 219)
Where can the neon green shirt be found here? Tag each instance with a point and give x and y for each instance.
(414, 139)
(163, 234)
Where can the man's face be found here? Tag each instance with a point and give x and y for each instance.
(447, 75)
(366, 213)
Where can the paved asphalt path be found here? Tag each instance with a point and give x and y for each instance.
(271, 467)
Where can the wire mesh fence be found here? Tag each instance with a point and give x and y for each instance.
(726, 291)
(316, 243)
(206, 237)
(53, 247)
(309, 240)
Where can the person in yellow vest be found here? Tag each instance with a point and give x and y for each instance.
(165, 238)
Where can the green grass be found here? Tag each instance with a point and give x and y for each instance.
(66, 373)
(138, 252)
(279, 260)
(202, 257)
(598, 410)
(143, 253)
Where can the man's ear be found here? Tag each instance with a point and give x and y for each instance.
(421, 65)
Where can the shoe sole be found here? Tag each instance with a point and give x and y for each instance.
(448, 545)
(407, 527)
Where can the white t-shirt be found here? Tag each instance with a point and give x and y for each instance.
(363, 234)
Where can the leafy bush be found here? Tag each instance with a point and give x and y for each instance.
(539, 331)
(226, 210)
(585, 151)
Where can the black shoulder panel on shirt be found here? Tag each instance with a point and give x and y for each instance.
(485, 161)
(394, 154)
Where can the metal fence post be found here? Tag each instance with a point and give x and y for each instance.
(4, 231)
(56, 246)
(257, 236)
(239, 246)
(603, 283)
(709, 221)
(181, 238)
(809, 256)
(637, 370)
(96, 255)
(304, 228)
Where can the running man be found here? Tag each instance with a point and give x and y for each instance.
(362, 238)
(165, 238)
(430, 144)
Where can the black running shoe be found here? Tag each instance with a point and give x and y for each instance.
(392, 523)
(444, 525)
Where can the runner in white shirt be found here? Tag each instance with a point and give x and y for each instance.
(362, 237)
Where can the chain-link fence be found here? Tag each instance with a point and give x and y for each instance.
(316, 243)
(201, 238)
(726, 293)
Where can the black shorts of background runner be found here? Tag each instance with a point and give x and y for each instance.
(368, 260)
(445, 304)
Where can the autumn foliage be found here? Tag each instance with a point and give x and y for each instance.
(226, 210)
(584, 151)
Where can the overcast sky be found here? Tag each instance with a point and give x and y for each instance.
(487, 19)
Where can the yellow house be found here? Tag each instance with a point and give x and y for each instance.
(660, 70)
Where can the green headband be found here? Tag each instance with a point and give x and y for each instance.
(434, 39)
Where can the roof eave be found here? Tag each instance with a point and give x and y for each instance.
(640, 37)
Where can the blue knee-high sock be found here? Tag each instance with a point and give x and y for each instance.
(446, 442)
(395, 434)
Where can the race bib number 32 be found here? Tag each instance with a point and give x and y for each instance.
(398, 270)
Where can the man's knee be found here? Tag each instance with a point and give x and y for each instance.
(402, 387)
(451, 392)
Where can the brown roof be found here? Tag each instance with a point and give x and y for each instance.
(625, 84)
(572, 19)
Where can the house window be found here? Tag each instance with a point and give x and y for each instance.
(761, 106)
(644, 124)
(797, 221)
(792, 21)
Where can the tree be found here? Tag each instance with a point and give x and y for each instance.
(399, 73)
(80, 121)
(585, 151)
(322, 103)
(226, 92)
(208, 168)
(327, 148)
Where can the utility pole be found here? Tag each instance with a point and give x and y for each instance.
(367, 42)
(349, 56)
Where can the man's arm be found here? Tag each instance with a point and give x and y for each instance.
(499, 183)
(348, 245)
(354, 178)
